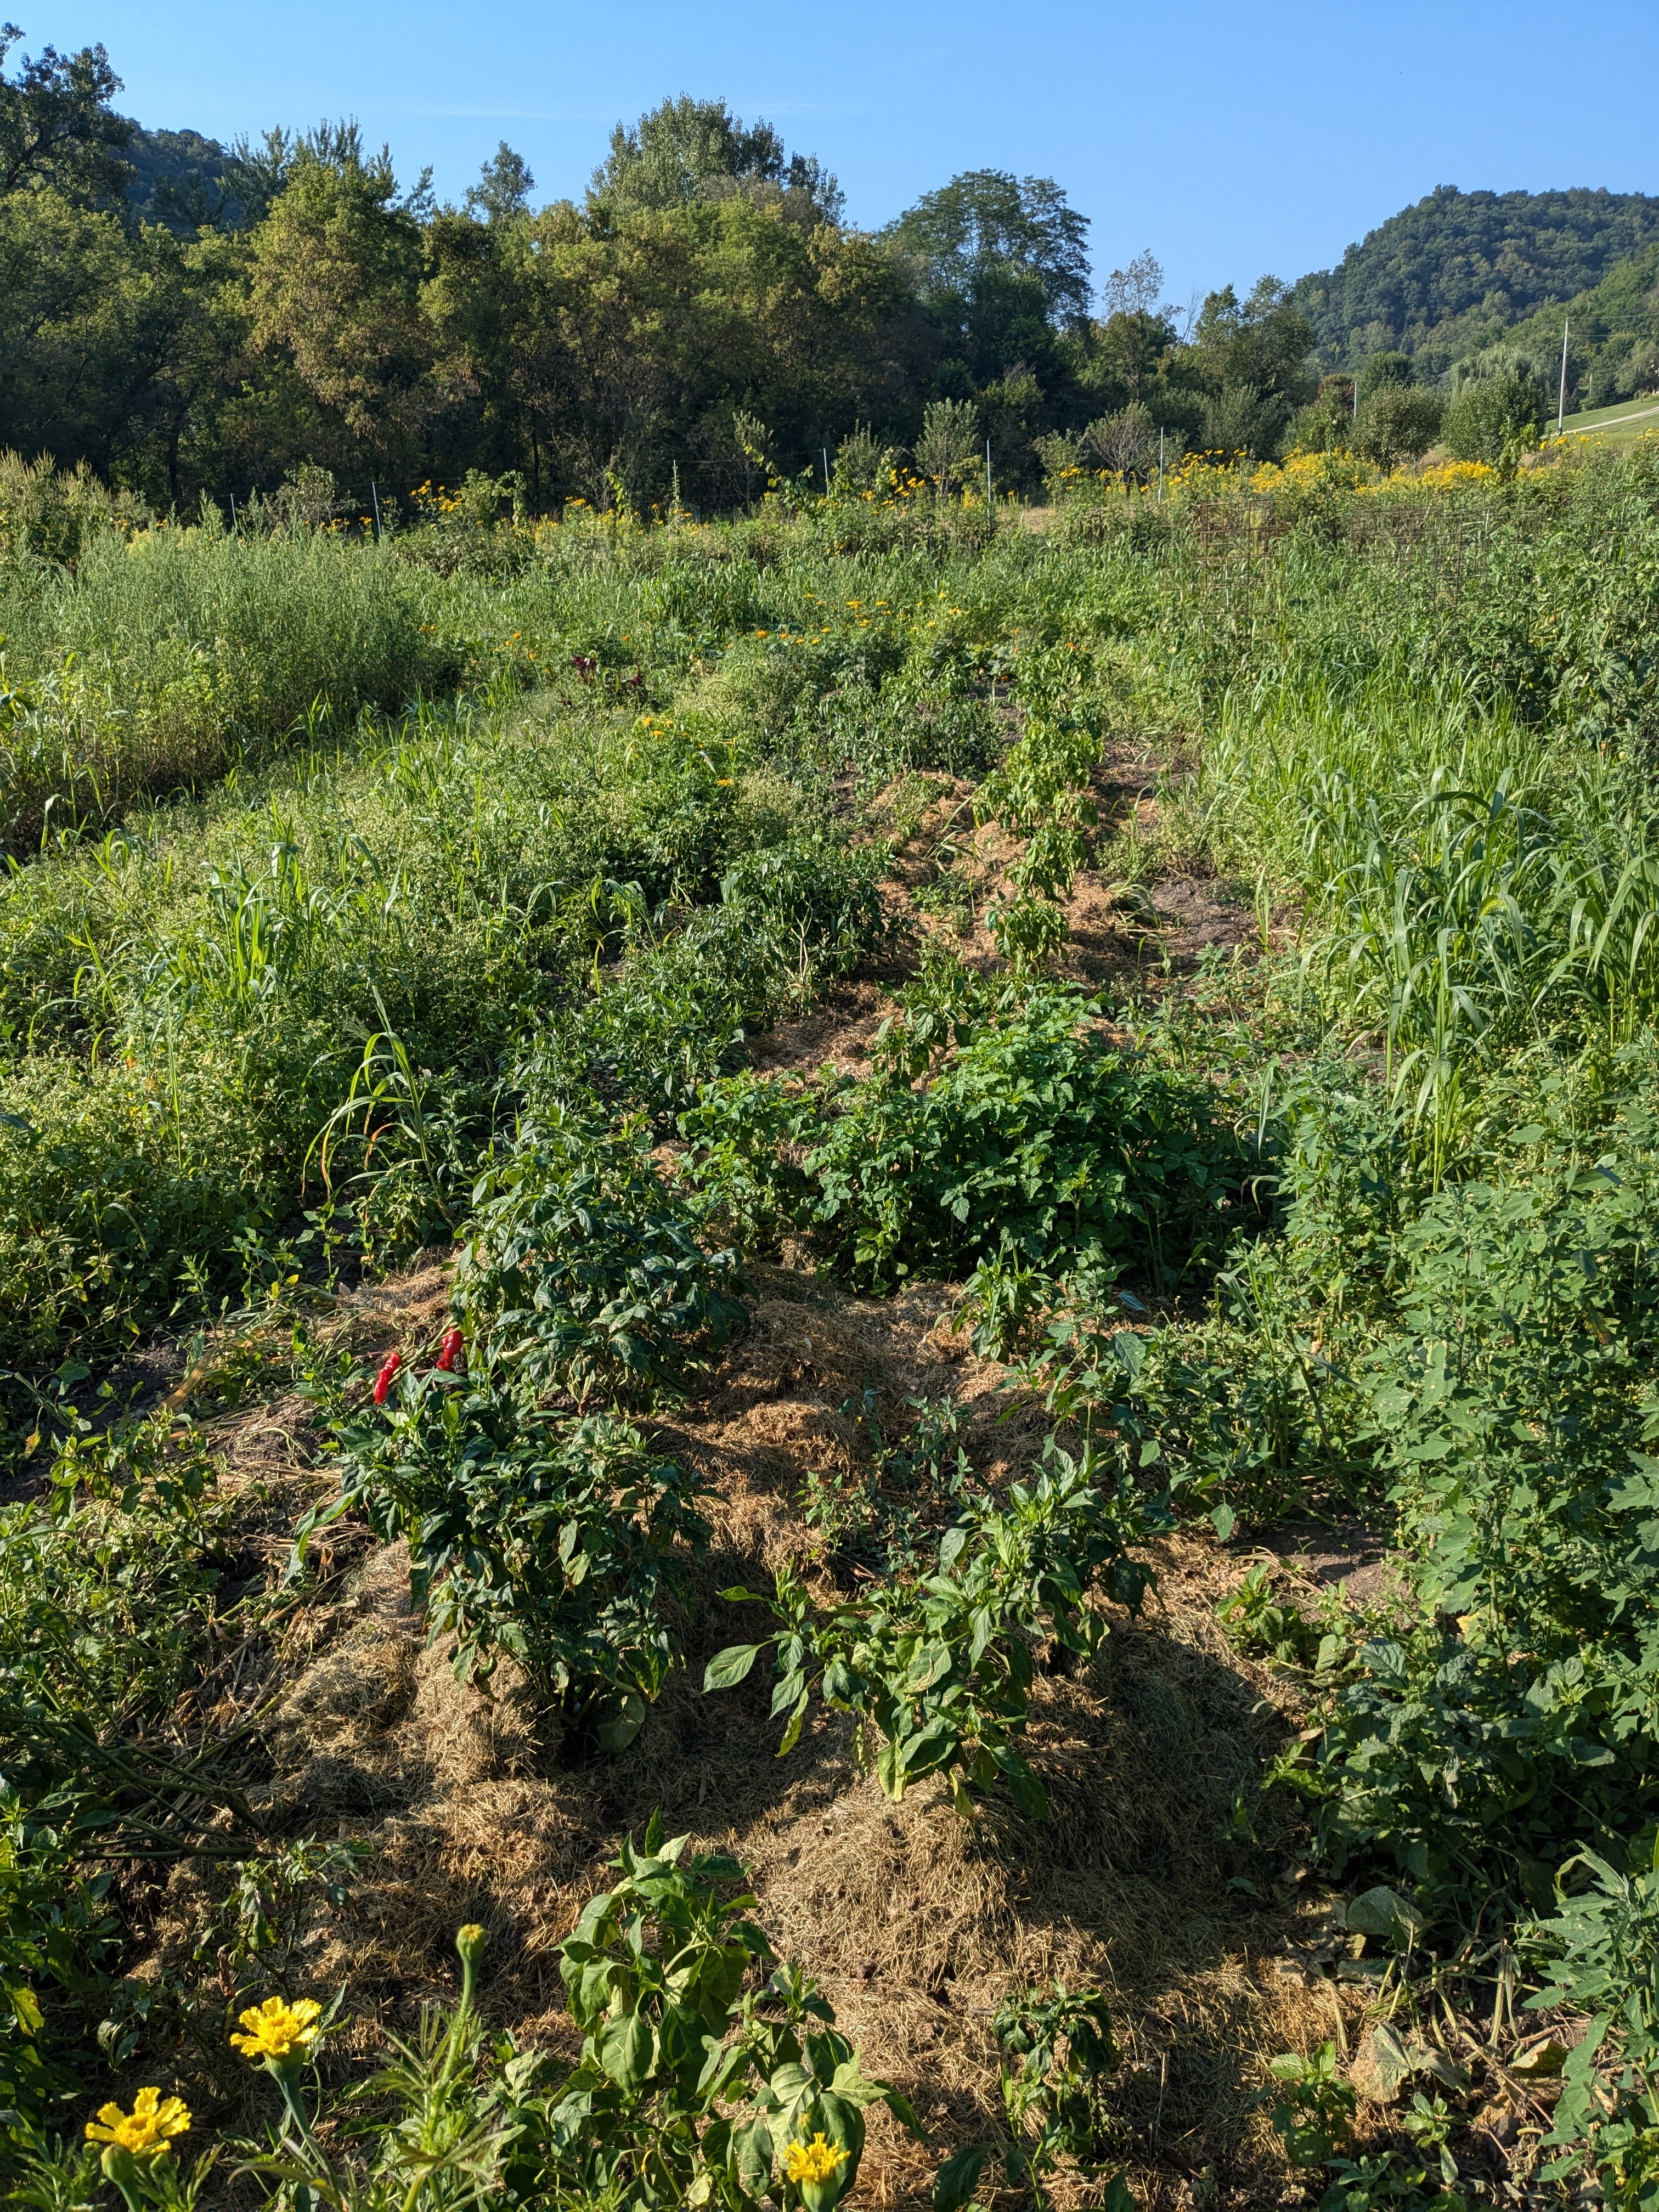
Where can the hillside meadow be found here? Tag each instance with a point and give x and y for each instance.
(826, 1346)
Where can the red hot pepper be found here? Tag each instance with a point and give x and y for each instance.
(388, 1376)
(450, 1350)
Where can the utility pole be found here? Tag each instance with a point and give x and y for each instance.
(1561, 401)
(374, 496)
(825, 452)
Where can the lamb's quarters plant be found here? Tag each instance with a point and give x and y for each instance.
(1600, 1954)
(938, 1669)
(1058, 2059)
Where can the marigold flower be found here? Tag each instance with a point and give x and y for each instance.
(451, 1349)
(148, 2126)
(813, 2162)
(388, 1376)
(277, 2029)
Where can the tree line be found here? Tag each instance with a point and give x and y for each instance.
(188, 320)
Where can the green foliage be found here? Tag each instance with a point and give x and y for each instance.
(1400, 423)
(112, 1583)
(166, 657)
(689, 2089)
(940, 1669)
(555, 1542)
(1505, 1715)
(1493, 418)
(667, 2103)
(582, 1274)
(1255, 1618)
(1005, 1151)
(1600, 1954)
(1313, 2107)
(538, 1530)
(1423, 278)
(1058, 2056)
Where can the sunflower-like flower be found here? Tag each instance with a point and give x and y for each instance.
(150, 2126)
(813, 2162)
(278, 2030)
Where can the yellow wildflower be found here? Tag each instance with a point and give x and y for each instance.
(276, 2029)
(813, 2162)
(147, 2127)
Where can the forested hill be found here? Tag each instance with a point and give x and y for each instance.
(1451, 272)
(178, 178)
(1613, 348)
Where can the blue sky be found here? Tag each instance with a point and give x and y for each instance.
(1231, 139)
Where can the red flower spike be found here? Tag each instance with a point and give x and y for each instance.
(450, 1350)
(388, 1376)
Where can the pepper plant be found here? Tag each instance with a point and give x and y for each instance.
(938, 1670)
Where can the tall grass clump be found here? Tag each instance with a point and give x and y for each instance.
(163, 657)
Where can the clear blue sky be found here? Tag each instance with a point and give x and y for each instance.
(1231, 139)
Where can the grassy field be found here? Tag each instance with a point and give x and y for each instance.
(1633, 416)
(965, 1213)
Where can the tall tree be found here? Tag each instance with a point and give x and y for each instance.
(337, 272)
(688, 149)
(57, 126)
(987, 227)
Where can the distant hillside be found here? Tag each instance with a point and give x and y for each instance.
(179, 180)
(1447, 275)
(1612, 351)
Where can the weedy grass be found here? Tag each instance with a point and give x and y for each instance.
(464, 950)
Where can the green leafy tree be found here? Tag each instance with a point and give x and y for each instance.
(1251, 358)
(1399, 422)
(986, 221)
(503, 188)
(1493, 415)
(688, 149)
(948, 444)
(335, 296)
(57, 126)
(1381, 369)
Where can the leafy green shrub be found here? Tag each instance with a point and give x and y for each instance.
(667, 2106)
(582, 1274)
(1059, 2042)
(1035, 1136)
(1600, 1955)
(818, 903)
(557, 1542)
(1492, 416)
(940, 1669)
(1506, 1711)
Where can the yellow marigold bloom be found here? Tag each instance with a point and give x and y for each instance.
(813, 2162)
(277, 2029)
(153, 2120)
